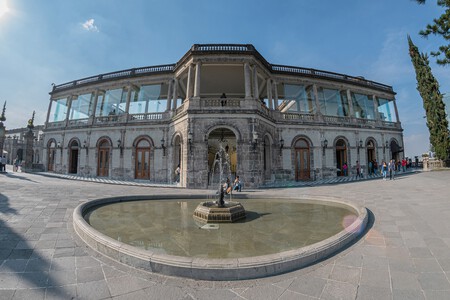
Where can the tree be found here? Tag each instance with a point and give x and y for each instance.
(440, 26)
(428, 88)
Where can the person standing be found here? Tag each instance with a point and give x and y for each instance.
(16, 164)
(345, 168)
(177, 174)
(358, 169)
(391, 168)
(384, 169)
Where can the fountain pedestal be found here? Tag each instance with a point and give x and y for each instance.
(211, 212)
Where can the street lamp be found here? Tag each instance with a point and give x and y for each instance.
(324, 146)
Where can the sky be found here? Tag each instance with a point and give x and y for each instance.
(57, 41)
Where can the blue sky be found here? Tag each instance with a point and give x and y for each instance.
(56, 41)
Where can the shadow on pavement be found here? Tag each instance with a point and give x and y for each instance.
(21, 264)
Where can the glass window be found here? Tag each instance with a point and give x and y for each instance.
(297, 98)
(81, 107)
(58, 111)
(386, 110)
(113, 102)
(363, 106)
(333, 102)
(149, 99)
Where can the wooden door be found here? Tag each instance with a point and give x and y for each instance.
(143, 163)
(103, 161)
(302, 160)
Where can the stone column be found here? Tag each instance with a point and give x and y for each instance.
(396, 111)
(269, 92)
(275, 96)
(316, 99)
(127, 105)
(255, 83)
(375, 105)
(69, 105)
(48, 112)
(169, 95)
(197, 79)
(189, 81)
(247, 80)
(94, 107)
(350, 104)
(175, 94)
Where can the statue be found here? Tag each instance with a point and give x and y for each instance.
(31, 122)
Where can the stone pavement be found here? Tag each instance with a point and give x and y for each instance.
(405, 253)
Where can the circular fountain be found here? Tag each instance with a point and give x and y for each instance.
(218, 239)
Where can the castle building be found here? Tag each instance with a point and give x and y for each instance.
(276, 123)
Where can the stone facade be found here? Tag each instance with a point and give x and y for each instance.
(277, 123)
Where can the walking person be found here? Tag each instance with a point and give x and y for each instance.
(177, 174)
(16, 164)
(391, 168)
(384, 168)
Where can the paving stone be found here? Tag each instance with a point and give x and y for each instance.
(373, 293)
(311, 286)
(434, 281)
(339, 290)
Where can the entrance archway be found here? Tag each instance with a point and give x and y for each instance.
(73, 157)
(222, 156)
(341, 157)
(177, 158)
(104, 148)
(51, 155)
(302, 160)
(142, 168)
(371, 154)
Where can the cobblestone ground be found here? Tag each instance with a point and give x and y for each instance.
(404, 255)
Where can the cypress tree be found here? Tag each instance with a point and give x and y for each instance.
(434, 106)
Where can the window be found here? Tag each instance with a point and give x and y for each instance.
(59, 110)
(113, 102)
(386, 110)
(333, 102)
(81, 107)
(297, 98)
(149, 99)
(363, 106)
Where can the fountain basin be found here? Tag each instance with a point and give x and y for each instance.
(196, 266)
(210, 212)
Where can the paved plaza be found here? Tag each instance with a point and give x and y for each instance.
(405, 253)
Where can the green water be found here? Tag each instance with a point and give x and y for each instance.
(167, 226)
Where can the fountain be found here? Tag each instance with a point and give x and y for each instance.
(220, 211)
(158, 233)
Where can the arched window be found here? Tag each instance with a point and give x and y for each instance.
(73, 157)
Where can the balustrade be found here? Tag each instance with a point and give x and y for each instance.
(220, 102)
(145, 117)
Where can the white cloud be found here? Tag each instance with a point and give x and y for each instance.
(89, 25)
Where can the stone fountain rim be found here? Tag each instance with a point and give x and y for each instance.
(218, 269)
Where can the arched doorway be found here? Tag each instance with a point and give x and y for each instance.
(302, 160)
(104, 149)
(395, 150)
(177, 158)
(341, 157)
(142, 168)
(51, 156)
(371, 154)
(267, 159)
(222, 156)
(73, 157)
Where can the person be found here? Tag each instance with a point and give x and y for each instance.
(345, 167)
(177, 173)
(2, 163)
(375, 166)
(16, 164)
(404, 163)
(237, 184)
(370, 169)
(358, 169)
(227, 186)
(384, 169)
(391, 168)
